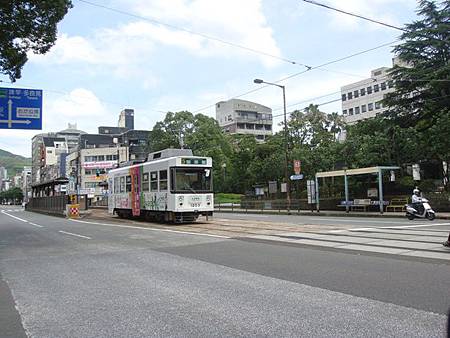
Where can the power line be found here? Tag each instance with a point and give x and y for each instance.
(205, 36)
(300, 73)
(312, 2)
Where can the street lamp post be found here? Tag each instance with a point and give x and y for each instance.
(286, 165)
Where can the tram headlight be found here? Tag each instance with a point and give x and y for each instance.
(181, 199)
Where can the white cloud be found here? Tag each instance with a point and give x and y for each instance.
(80, 106)
(130, 46)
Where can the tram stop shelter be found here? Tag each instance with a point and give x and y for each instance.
(350, 172)
(48, 188)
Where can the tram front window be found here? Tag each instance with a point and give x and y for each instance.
(192, 180)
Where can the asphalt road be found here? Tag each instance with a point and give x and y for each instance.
(63, 278)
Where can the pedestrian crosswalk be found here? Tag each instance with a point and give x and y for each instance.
(416, 241)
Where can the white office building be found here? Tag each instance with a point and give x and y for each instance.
(363, 99)
(244, 117)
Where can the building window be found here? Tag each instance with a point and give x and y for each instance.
(378, 105)
(383, 85)
(391, 84)
(111, 157)
(356, 93)
(344, 112)
(122, 184)
(356, 110)
(350, 111)
(128, 184)
(363, 91)
(376, 88)
(350, 96)
(268, 127)
(154, 181)
(378, 72)
(116, 185)
(145, 182)
(163, 180)
(370, 106)
(260, 137)
(369, 90)
(344, 97)
(363, 108)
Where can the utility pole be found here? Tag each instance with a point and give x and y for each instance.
(286, 150)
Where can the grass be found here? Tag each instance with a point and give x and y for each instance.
(227, 198)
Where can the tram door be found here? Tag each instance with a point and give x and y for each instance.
(135, 191)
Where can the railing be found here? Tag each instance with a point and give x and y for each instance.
(55, 205)
(49, 204)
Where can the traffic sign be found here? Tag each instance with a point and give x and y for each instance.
(20, 108)
(296, 177)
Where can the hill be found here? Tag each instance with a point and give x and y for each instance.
(13, 163)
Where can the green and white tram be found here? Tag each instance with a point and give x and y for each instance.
(173, 186)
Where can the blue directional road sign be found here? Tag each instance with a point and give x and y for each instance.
(20, 108)
(296, 177)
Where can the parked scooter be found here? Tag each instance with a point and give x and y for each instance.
(427, 212)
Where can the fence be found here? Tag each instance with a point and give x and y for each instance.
(55, 205)
(439, 202)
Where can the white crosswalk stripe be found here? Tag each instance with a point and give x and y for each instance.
(425, 242)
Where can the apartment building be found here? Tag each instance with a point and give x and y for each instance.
(363, 99)
(244, 117)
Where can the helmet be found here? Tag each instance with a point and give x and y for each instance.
(416, 192)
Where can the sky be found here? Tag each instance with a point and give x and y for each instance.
(145, 56)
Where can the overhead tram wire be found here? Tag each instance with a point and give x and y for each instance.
(302, 72)
(312, 2)
(205, 36)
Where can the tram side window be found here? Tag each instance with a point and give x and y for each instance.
(163, 180)
(154, 181)
(122, 184)
(128, 183)
(145, 182)
(116, 185)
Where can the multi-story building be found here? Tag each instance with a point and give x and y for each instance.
(126, 119)
(47, 151)
(363, 99)
(26, 183)
(3, 177)
(244, 117)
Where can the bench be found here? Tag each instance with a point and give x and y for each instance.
(357, 204)
(397, 204)
(360, 204)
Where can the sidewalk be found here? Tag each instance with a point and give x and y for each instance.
(439, 215)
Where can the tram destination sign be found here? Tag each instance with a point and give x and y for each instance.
(20, 108)
(199, 161)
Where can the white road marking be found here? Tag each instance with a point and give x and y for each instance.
(72, 234)
(401, 226)
(21, 219)
(151, 229)
(18, 218)
(36, 225)
(355, 221)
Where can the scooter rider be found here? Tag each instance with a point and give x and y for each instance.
(416, 200)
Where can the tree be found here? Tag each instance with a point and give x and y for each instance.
(27, 25)
(422, 82)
